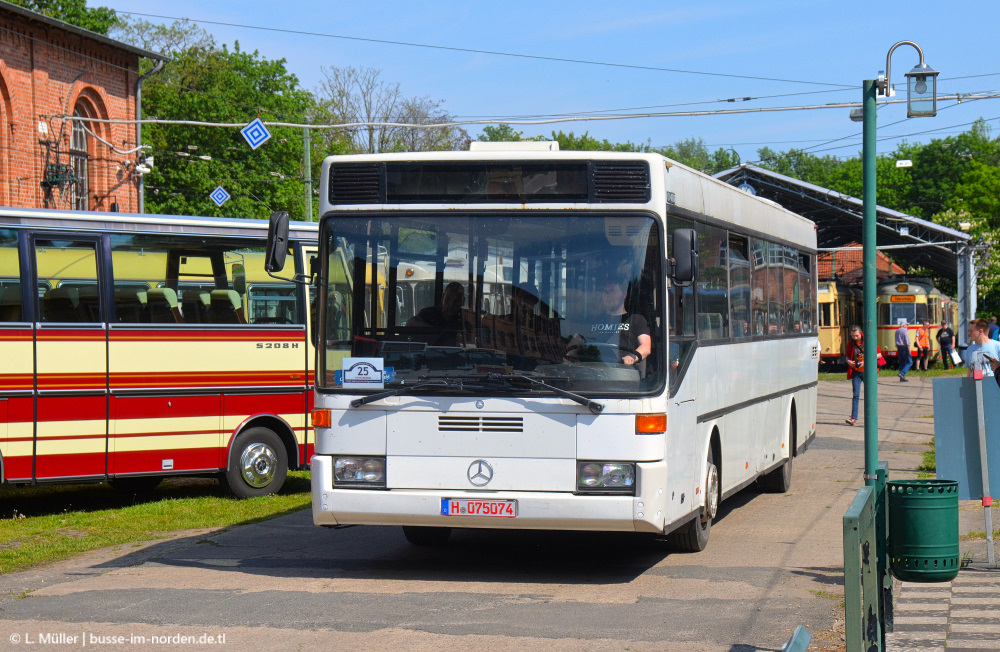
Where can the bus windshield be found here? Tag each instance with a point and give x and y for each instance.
(574, 300)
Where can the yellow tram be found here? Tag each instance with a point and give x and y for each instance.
(840, 306)
(914, 300)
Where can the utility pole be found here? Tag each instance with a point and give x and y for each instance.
(307, 173)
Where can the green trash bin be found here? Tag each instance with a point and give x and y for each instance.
(923, 529)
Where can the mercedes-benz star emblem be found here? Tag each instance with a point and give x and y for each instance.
(480, 473)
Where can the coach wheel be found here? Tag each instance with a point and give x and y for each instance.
(137, 485)
(426, 536)
(693, 537)
(258, 464)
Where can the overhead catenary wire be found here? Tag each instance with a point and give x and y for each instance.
(556, 120)
(536, 57)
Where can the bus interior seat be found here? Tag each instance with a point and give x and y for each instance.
(161, 304)
(130, 306)
(61, 304)
(226, 307)
(89, 303)
(10, 303)
(194, 306)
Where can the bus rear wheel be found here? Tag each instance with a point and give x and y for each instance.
(258, 464)
(426, 536)
(693, 537)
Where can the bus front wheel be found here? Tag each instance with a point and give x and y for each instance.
(693, 537)
(258, 464)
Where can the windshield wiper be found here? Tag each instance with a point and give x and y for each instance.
(593, 406)
(406, 389)
(463, 384)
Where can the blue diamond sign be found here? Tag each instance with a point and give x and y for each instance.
(255, 133)
(219, 196)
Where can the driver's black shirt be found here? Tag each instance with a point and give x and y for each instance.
(621, 330)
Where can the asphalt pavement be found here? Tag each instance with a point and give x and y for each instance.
(774, 562)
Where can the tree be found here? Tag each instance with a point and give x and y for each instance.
(360, 96)
(225, 86)
(179, 36)
(74, 12)
(501, 133)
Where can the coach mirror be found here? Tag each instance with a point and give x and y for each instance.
(277, 242)
(684, 264)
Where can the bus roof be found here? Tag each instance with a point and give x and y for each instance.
(681, 190)
(89, 221)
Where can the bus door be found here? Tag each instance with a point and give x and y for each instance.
(310, 258)
(71, 432)
(16, 365)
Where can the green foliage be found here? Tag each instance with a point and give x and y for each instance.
(587, 143)
(226, 86)
(75, 12)
(500, 133)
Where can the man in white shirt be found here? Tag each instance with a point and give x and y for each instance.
(982, 349)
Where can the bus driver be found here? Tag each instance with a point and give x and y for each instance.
(628, 332)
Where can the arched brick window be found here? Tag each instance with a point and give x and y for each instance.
(79, 159)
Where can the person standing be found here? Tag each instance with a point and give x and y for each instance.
(923, 345)
(994, 332)
(856, 367)
(982, 351)
(903, 355)
(945, 337)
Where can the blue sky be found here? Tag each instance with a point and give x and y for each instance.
(834, 43)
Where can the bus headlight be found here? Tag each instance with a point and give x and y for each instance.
(605, 477)
(359, 472)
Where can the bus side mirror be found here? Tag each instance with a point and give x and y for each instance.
(684, 264)
(277, 242)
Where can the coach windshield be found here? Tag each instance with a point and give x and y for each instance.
(574, 300)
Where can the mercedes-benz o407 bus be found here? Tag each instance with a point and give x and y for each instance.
(610, 342)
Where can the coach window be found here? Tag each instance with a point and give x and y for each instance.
(10, 278)
(713, 283)
(199, 280)
(758, 286)
(69, 269)
(775, 289)
(807, 308)
(793, 292)
(739, 286)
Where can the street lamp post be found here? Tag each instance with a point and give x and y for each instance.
(868, 595)
(921, 101)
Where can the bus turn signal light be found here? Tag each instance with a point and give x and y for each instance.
(320, 418)
(650, 424)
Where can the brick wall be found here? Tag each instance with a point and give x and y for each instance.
(46, 72)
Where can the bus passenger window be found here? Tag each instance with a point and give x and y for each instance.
(10, 278)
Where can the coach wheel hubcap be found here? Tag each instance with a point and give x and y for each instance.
(712, 487)
(258, 465)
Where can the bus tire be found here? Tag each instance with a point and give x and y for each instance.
(779, 480)
(258, 464)
(137, 485)
(693, 537)
(426, 536)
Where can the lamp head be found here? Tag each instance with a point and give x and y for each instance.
(921, 92)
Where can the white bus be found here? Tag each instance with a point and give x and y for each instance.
(657, 354)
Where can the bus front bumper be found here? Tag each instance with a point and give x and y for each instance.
(535, 510)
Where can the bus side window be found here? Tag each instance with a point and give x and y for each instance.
(10, 278)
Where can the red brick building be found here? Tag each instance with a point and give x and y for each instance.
(49, 70)
(847, 265)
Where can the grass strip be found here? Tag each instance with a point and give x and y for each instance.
(44, 524)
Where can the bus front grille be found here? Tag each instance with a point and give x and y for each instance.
(480, 424)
